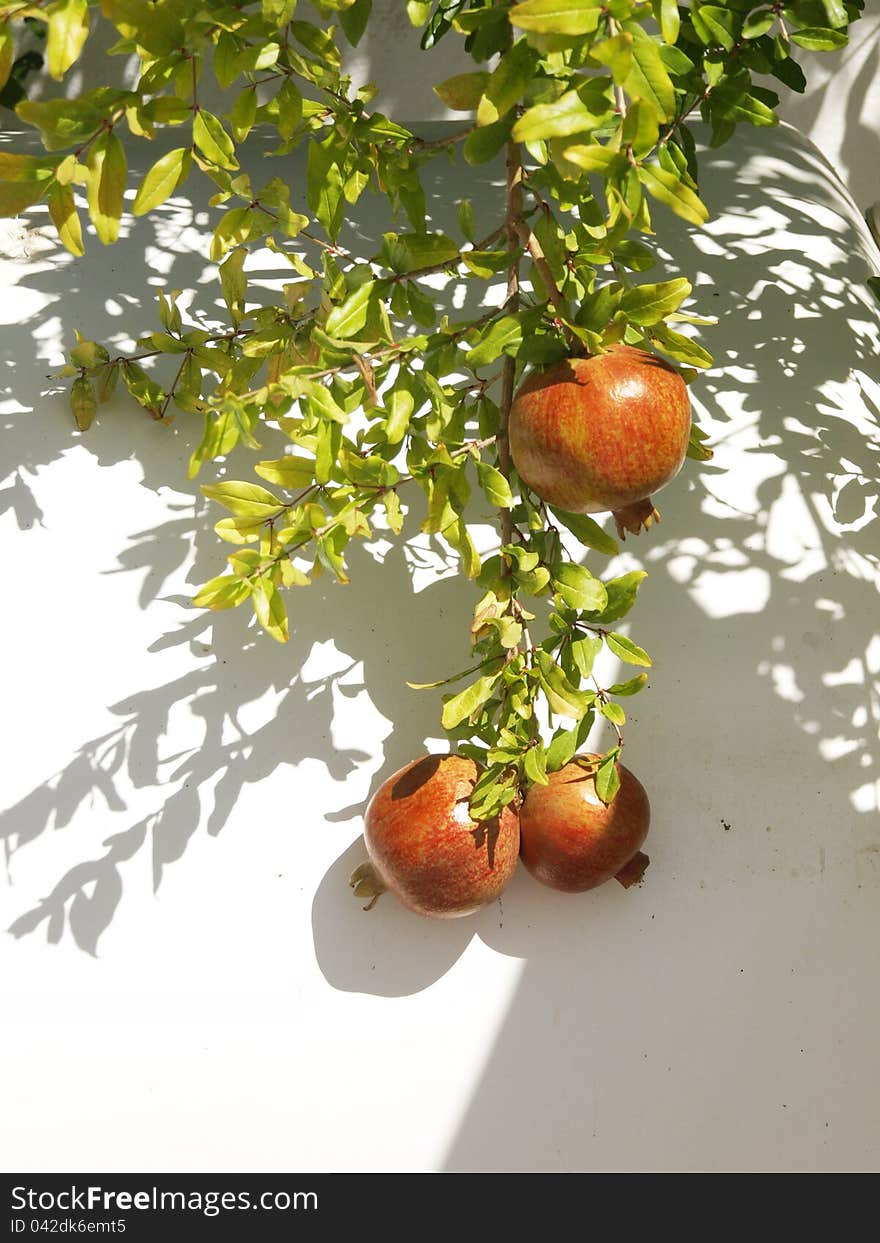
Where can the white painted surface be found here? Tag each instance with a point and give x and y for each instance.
(190, 985)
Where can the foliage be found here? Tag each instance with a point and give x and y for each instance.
(590, 106)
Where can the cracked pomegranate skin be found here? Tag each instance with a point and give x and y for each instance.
(570, 840)
(424, 845)
(599, 433)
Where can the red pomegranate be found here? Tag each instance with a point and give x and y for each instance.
(602, 433)
(571, 840)
(425, 848)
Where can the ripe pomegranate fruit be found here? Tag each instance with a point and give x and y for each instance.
(571, 840)
(604, 432)
(425, 848)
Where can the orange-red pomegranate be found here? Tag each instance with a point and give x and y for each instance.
(424, 846)
(571, 840)
(602, 433)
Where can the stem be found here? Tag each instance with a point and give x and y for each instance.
(434, 144)
(533, 246)
(508, 371)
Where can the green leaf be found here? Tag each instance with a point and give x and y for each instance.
(614, 713)
(817, 40)
(234, 283)
(459, 707)
(503, 337)
(455, 677)
(607, 779)
(486, 141)
(167, 175)
(561, 749)
(291, 471)
(835, 11)
(246, 500)
(640, 128)
(666, 15)
(495, 486)
(83, 402)
(648, 78)
(578, 588)
(535, 765)
(105, 185)
(758, 23)
(347, 320)
(593, 156)
(621, 594)
(563, 698)
(630, 687)
(65, 217)
(408, 252)
(463, 91)
(616, 54)
(213, 141)
(401, 404)
(557, 17)
(68, 30)
(714, 25)
(321, 402)
(269, 608)
(466, 219)
(669, 189)
(354, 20)
(325, 185)
(648, 304)
(566, 115)
(681, 348)
(223, 592)
(507, 84)
(626, 650)
(7, 53)
(584, 652)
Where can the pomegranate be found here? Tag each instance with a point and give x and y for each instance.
(602, 433)
(571, 840)
(425, 848)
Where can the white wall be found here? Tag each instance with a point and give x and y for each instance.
(189, 984)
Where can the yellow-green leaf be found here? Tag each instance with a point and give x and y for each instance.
(68, 30)
(166, 175)
(65, 217)
(668, 189)
(247, 500)
(213, 141)
(624, 648)
(567, 115)
(616, 53)
(667, 15)
(290, 471)
(647, 78)
(459, 707)
(648, 304)
(557, 17)
(270, 610)
(7, 54)
(591, 156)
(105, 185)
(83, 402)
(223, 592)
(462, 92)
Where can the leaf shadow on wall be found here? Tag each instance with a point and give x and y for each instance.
(198, 772)
(703, 1020)
(389, 952)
